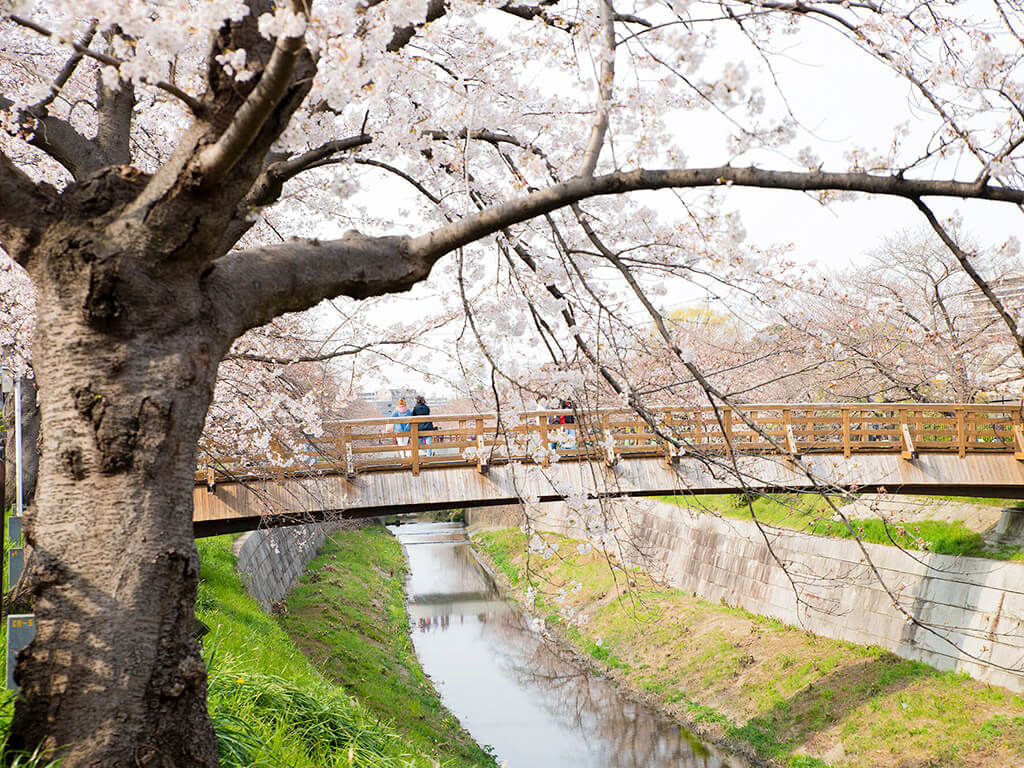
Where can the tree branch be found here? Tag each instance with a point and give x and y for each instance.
(26, 209)
(103, 58)
(269, 185)
(605, 82)
(254, 357)
(64, 75)
(401, 37)
(543, 201)
(59, 140)
(965, 262)
(256, 285)
(218, 159)
(249, 288)
(114, 107)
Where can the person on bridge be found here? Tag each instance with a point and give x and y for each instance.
(422, 409)
(402, 428)
(563, 419)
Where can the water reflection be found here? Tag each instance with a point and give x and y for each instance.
(533, 701)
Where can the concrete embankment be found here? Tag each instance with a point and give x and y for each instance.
(271, 560)
(953, 613)
(791, 697)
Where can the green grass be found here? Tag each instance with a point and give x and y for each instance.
(811, 513)
(788, 694)
(348, 614)
(270, 705)
(974, 500)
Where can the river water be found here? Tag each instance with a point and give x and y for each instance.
(528, 698)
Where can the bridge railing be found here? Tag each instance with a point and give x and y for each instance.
(543, 437)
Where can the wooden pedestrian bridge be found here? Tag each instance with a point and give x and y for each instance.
(364, 468)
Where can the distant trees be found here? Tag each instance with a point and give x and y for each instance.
(906, 324)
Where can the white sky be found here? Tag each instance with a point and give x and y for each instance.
(843, 98)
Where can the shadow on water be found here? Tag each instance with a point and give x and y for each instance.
(531, 700)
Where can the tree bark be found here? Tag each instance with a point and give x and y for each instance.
(125, 374)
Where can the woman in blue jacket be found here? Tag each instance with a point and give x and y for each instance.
(402, 428)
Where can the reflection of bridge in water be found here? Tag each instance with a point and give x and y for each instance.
(365, 468)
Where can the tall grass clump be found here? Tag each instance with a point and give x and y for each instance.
(18, 759)
(270, 707)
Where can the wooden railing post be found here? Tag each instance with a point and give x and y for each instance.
(727, 429)
(847, 439)
(481, 462)
(961, 433)
(787, 422)
(543, 424)
(346, 441)
(671, 452)
(414, 441)
(908, 450)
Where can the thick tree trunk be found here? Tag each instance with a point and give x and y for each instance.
(114, 676)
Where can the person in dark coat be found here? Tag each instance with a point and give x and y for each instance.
(422, 409)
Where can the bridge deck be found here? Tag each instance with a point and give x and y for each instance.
(359, 469)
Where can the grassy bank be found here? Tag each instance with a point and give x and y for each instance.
(811, 513)
(348, 616)
(793, 698)
(270, 705)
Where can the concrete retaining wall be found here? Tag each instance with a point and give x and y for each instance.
(972, 609)
(271, 560)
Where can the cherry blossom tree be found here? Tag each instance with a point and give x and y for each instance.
(176, 174)
(906, 324)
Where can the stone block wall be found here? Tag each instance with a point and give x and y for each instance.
(271, 560)
(967, 613)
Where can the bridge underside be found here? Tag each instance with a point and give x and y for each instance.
(249, 503)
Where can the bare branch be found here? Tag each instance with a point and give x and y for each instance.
(254, 357)
(269, 185)
(605, 83)
(58, 139)
(64, 75)
(249, 288)
(402, 175)
(262, 283)
(471, 228)
(965, 262)
(114, 108)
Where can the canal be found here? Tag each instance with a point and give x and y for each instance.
(528, 698)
